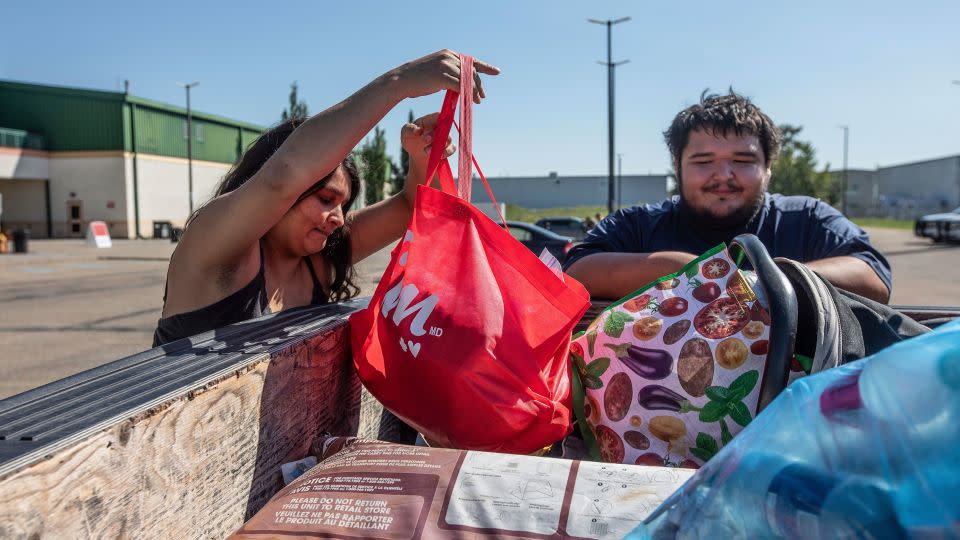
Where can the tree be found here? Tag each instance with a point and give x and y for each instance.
(398, 173)
(795, 170)
(404, 156)
(377, 166)
(298, 109)
(397, 178)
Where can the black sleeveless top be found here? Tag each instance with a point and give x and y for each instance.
(248, 303)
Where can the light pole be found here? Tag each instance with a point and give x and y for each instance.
(187, 87)
(843, 187)
(610, 67)
(620, 179)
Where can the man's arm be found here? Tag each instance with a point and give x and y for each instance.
(854, 275)
(841, 252)
(615, 275)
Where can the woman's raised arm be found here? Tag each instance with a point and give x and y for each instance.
(228, 227)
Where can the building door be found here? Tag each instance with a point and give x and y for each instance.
(75, 218)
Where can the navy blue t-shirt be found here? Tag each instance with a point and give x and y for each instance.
(797, 227)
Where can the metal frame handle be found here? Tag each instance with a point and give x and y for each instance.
(778, 292)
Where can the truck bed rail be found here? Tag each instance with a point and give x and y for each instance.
(183, 440)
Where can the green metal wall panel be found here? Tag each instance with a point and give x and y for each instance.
(159, 133)
(220, 143)
(163, 133)
(69, 120)
(127, 127)
(247, 137)
(18, 138)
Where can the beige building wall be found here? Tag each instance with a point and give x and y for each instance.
(24, 206)
(163, 186)
(95, 182)
(100, 185)
(23, 175)
(27, 164)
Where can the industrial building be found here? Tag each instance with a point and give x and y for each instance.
(554, 190)
(69, 156)
(903, 191)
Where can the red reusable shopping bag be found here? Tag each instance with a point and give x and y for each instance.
(467, 335)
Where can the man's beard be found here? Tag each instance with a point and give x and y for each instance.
(735, 220)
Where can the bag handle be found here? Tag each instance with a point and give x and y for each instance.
(436, 164)
(779, 293)
(465, 158)
(465, 148)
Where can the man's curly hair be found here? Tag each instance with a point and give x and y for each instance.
(721, 115)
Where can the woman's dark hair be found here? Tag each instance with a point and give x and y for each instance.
(720, 115)
(337, 251)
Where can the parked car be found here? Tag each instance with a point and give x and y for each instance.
(536, 238)
(940, 227)
(573, 227)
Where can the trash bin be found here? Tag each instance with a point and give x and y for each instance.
(175, 234)
(162, 229)
(20, 239)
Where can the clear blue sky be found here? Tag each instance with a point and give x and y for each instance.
(882, 67)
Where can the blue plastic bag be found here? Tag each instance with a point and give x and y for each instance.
(867, 450)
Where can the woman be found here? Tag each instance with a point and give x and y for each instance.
(277, 234)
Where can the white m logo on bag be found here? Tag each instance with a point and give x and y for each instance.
(401, 296)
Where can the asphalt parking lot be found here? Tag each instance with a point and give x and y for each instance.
(67, 307)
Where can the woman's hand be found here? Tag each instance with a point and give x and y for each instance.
(375, 226)
(416, 139)
(379, 224)
(217, 239)
(438, 71)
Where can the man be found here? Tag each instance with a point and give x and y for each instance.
(722, 150)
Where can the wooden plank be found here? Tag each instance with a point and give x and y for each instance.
(376, 422)
(197, 465)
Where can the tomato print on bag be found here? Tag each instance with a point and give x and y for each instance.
(671, 372)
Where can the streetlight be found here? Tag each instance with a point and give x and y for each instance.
(187, 87)
(610, 66)
(620, 179)
(843, 187)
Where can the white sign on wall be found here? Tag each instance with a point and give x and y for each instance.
(98, 235)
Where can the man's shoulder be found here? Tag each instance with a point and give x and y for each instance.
(654, 210)
(801, 205)
(811, 214)
(633, 219)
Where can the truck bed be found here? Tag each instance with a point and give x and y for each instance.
(186, 440)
